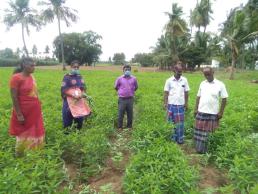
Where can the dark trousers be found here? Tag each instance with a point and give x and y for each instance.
(68, 118)
(125, 105)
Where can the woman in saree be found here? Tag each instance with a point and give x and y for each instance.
(73, 91)
(26, 122)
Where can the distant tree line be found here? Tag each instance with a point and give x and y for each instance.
(235, 45)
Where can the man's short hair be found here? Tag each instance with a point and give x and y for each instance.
(209, 68)
(126, 67)
(178, 62)
(75, 62)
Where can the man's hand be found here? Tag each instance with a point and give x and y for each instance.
(165, 106)
(186, 106)
(195, 112)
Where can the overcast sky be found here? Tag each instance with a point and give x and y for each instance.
(128, 26)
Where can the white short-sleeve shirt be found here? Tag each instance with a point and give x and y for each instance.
(176, 89)
(209, 93)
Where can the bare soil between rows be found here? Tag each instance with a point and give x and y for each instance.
(210, 176)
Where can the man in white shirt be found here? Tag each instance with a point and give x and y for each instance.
(208, 109)
(176, 101)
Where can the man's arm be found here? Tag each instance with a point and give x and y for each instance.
(222, 107)
(186, 100)
(187, 88)
(166, 99)
(136, 85)
(116, 84)
(196, 105)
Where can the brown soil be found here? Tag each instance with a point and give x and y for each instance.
(72, 175)
(113, 173)
(71, 171)
(254, 81)
(210, 175)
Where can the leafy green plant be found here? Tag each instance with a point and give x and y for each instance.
(244, 172)
(157, 166)
(107, 188)
(160, 168)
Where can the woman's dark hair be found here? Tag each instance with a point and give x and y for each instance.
(75, 62)
(24, 61)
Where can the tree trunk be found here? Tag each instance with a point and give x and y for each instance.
(234, 58)
(175, 57)
(233, 64)
(24, 44)
(243, 64)
(62, 42)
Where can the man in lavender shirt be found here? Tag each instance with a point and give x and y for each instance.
(125, 86)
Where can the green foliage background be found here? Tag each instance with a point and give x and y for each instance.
(157, 164)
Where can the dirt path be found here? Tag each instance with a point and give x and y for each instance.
(111, 178)
(210, 176)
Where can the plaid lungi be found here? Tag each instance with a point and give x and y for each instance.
(204, 125)
(175, 114)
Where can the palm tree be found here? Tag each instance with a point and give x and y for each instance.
(161, 54)
(56, 8)
(206, 13)
(239, 31)
(20, 13)
(251, 21)
(200, 16)
(175, 28)
(34, 50)
(196, 17)
(47, 49)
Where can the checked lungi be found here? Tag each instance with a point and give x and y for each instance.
(175, 114)
(204, 125)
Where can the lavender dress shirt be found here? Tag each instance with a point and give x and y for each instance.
(126, 86)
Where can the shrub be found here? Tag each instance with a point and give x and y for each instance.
(41, 62)
(86, 151)
(9, 62)
(244, 172)
(38, 172)
(160, 168)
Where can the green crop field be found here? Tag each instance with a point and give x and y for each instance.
(156, 165)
